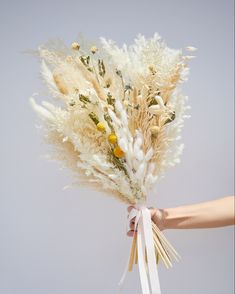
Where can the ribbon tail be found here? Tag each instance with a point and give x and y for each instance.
(141, 259)
(148, 271)
(151, 256)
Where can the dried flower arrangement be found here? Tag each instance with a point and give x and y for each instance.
(118, 126)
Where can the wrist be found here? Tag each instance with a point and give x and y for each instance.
(159, 218)
(167, 218)
(170, 218)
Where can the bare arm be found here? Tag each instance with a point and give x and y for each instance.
(210, 214)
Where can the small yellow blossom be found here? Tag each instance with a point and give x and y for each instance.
(100, 126)
(112, 138)
(118, 152)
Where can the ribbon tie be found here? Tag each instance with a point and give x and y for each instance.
(143, 225)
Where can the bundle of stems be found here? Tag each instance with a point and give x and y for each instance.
(163, 249)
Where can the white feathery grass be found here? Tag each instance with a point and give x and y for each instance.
(118, 128)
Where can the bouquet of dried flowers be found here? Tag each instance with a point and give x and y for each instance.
(116, 122)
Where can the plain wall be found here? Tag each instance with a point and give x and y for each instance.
(55, 241)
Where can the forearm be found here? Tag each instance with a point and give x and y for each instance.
(211, 214)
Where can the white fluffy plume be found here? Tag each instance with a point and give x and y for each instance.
(117, 112)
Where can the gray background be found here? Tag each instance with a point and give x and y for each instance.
(73, 241)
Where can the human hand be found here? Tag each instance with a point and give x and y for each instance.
(156, 216)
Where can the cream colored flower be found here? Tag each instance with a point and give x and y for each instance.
(154, 130)
(126, 103)
(94, 49)
(75, 46)
(159, 108)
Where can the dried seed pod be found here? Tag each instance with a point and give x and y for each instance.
(154, 130)
(101, 67)
(75, 46)
(94, 49)
(155, 109)
(126, 103)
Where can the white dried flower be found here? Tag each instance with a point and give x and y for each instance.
(191, 48)
(112, 95)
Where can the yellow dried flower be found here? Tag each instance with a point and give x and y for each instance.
(75, 46)
(118, 152)
(100, 126)
(112, 138)
(94, 49)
